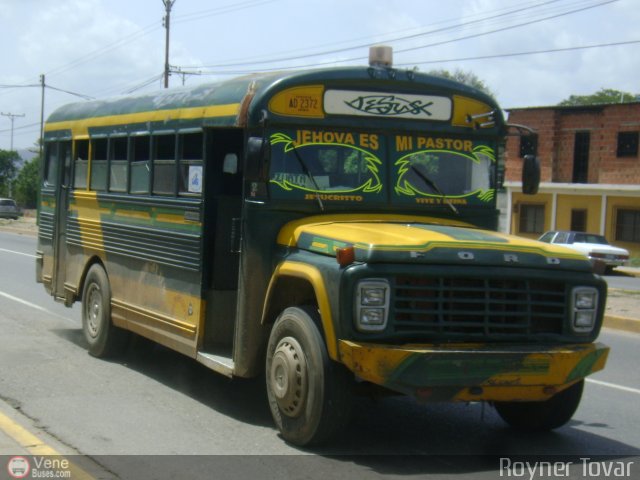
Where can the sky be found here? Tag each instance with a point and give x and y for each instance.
(105, 48)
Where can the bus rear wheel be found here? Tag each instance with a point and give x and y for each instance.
(310, 396)
(542, 416)
(104, 339)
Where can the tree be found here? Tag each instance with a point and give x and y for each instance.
(26, 184)
(468, 78)
(8, 161)
(602, 96)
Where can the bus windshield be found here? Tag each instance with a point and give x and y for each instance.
(344, 166)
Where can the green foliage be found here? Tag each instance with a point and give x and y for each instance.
(8, 169)
(468, 78)
(26, 185)
(602, 96)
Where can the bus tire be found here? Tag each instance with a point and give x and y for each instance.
(310, 396)
(104, 339)
(542, 416)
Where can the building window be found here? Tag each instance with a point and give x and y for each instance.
(581, 157)
(628, 225)
(627, 144)
(528, 145)
(531, 218)
(579, 220)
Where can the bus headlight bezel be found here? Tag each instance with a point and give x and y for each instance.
(372, 304)
(584, 309)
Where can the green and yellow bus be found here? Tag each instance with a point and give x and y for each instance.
(332, 229)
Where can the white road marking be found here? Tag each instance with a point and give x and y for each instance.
(613, 385)
(17, 253)
(33, 305)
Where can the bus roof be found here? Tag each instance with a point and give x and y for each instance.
(242, 101)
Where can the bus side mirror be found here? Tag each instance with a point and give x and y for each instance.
(530, 175)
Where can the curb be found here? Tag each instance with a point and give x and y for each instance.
(633, 271)
(621, 323)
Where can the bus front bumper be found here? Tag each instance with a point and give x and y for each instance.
(477, 372)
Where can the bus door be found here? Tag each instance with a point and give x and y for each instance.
(60, 222)
(221, 262)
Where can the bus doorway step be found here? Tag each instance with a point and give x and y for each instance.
(218, 362)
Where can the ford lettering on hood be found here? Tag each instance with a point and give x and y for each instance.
(408, 239)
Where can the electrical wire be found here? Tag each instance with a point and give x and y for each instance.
(462, 25)
(92, 55)
(448, 60)
(213, 12)
(518, 54)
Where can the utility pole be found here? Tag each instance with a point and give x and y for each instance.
(41, 121)
(167, 24)
(12, 117)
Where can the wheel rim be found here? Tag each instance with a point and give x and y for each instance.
(94, 310)
(288, 376)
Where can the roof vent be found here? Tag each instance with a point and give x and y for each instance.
(381, 56)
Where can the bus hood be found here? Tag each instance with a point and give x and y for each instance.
(408, 239)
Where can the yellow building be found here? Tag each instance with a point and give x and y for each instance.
(597, 208)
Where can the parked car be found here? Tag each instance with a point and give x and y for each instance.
(592, 245)
(9, 209)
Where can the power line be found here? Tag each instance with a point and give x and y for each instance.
(447, 60)
(92, 55)
(22, 127)
(380, 38)
(147, 82)
(413, 36)
(517, 54)
(85, 97)
(188, 17)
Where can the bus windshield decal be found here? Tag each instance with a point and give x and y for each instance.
(430, 175)
(374, 104)
(336, 163)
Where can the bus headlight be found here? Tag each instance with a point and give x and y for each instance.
(372, 305)
(584, 309)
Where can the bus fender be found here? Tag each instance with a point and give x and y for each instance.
(313, 277)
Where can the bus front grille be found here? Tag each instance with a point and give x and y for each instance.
(450, 306)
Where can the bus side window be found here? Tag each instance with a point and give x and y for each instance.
(164, 164)
(140, 164)
(81, 164)
(118, 166)
(51, 165)
(99, 164)
(190, 164)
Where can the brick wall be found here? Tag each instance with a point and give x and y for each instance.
(557, 127)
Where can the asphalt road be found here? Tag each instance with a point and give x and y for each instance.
(623, 281)
(152, 401)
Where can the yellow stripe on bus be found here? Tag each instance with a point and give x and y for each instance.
(81, 126)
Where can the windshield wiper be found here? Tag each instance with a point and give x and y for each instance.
(431, 184)
(308, 173)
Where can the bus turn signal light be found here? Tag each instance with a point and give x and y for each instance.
(345, 256)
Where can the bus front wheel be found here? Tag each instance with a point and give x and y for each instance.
(103, 337)
(309, 395)
(542, 416)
